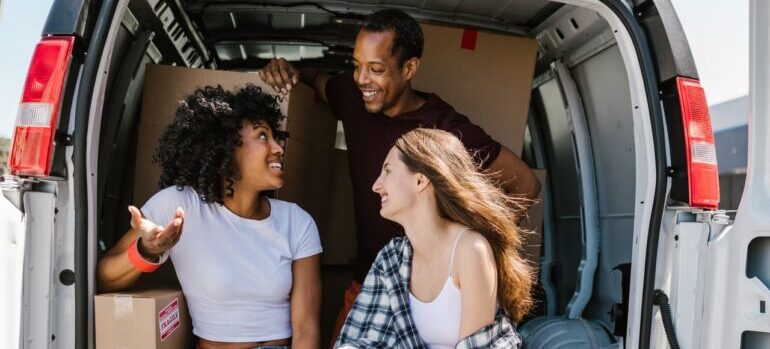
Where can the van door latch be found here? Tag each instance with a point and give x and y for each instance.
(716, 217)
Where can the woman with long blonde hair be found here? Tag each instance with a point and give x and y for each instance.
(457, 279)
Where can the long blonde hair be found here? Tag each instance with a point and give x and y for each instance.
(468, 196)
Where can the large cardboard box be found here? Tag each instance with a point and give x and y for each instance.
(340, 239)
(148, 319)
(485, 76)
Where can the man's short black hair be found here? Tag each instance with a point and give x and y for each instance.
(407, 40)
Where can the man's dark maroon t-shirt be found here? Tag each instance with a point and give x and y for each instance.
(369, 137)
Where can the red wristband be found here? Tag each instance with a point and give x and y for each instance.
(138, 261)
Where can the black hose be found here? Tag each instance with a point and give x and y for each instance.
(661, 300)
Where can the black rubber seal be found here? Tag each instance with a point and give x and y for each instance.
(80, 177)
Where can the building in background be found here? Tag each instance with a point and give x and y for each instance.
(5, 150)
(731, 135)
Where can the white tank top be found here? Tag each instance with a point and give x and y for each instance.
(438, 322)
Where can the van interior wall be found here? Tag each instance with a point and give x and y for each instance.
(118, 133)
(142, 39)
(563, 181)
(603, 87)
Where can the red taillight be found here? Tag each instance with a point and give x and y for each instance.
(39, 108)
(700, 150)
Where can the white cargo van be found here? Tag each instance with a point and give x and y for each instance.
(635, 253)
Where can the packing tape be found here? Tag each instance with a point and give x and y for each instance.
(122, 305)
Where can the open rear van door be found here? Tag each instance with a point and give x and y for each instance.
(37, 276)
(737, 289)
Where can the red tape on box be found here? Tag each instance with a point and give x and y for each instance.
(469, 39)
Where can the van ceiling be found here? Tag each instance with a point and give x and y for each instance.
(246, 34)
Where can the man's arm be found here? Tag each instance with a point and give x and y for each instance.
(515, 175)
(282, 75)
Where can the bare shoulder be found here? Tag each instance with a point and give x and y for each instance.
(473, 245)
(474, 256)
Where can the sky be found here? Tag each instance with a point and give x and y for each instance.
(718, 33)
(20, 28)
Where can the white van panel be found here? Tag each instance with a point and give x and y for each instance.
(11, 266)
(38, 271)
(681, 274)
(738, 283)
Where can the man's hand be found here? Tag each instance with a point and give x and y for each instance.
(156, 239)
(279, 74)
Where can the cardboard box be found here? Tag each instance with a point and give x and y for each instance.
(339, 241)
(148, 319)
(490, 83)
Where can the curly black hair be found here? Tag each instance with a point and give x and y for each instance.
(197, 148)
(408, 38)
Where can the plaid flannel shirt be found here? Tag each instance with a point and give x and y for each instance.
(380, 317)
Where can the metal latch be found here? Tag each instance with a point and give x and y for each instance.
(717, 217)
(11, 187)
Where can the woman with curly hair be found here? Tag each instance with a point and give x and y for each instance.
(248, 264)
(457, 279)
